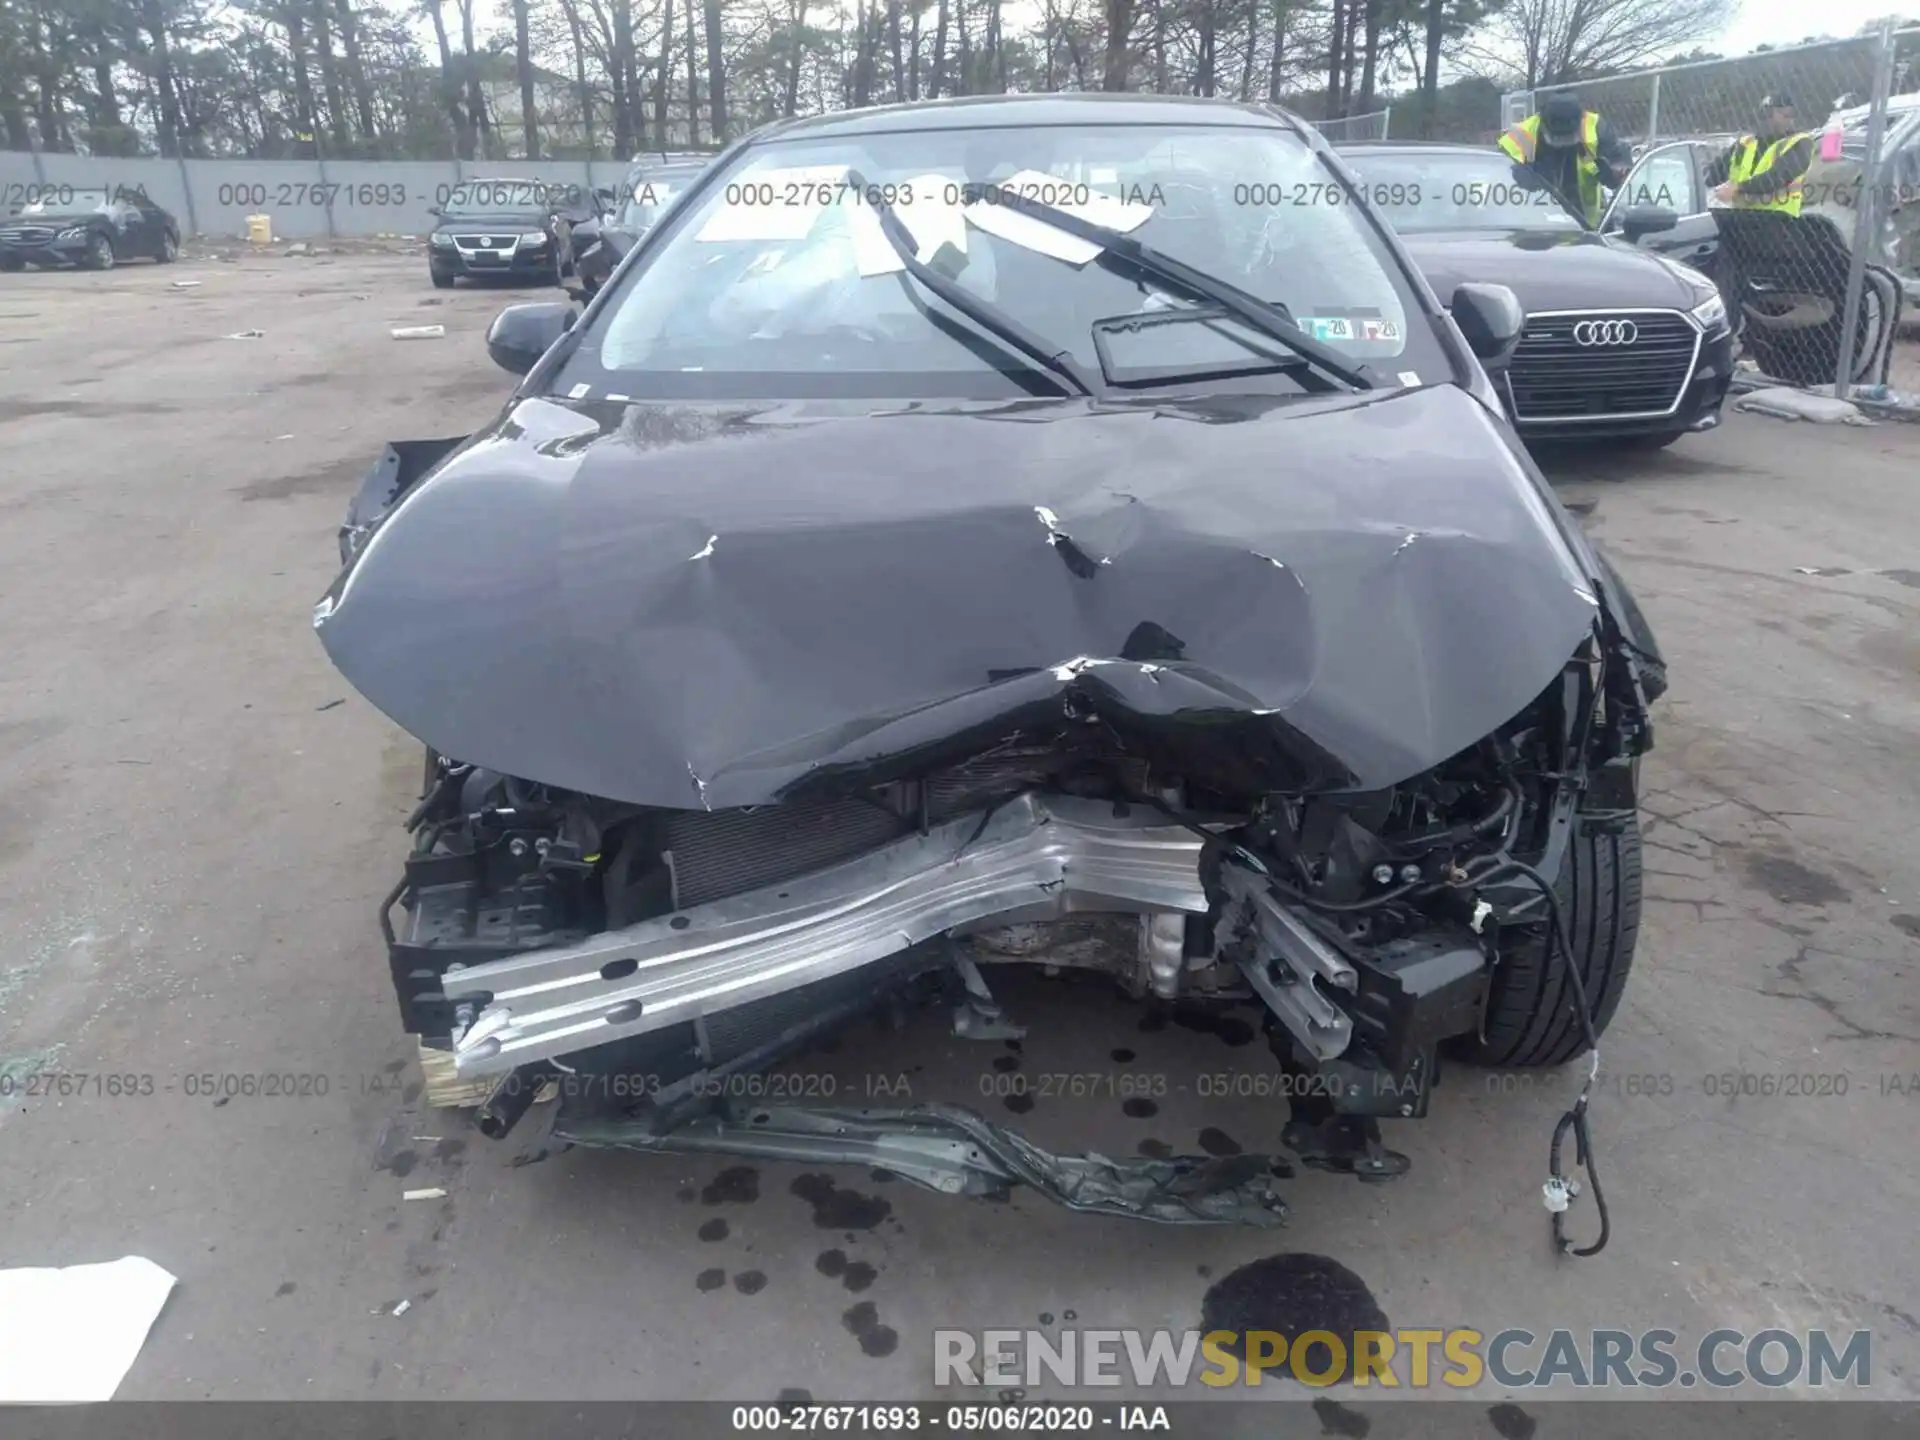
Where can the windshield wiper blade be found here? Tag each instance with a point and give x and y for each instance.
(1250, 309)
(1055, 359)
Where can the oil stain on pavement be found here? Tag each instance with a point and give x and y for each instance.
(1290, 1294)
(863, 1323)
(838, 1209)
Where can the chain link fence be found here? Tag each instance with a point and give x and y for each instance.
(1816, 286)
(1373, 125)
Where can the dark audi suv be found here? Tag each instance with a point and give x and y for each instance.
(1621, 343)
(1000, 537)
(510, 229)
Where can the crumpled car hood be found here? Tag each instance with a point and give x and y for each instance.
(707, 606)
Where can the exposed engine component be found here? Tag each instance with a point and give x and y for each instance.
(551, 934)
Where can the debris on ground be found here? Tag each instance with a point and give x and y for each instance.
(432, 1192)
(297, 249)
(1887, 402)
(419, 332)
(186, 284)
(248, 335)
(69, 1336)
(1786, 403)
(401, 1308)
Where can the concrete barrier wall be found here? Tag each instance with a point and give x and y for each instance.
(308, 199)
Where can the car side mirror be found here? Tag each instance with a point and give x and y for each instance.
(434, 210)
(1491, 320)
(521, 334)
(1640, 220)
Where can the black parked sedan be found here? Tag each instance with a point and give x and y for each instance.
(1621, 343)
(94, 228)
(508, 229)
(650, 186)
(966, 526)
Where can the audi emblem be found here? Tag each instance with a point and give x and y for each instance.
(1605, 332)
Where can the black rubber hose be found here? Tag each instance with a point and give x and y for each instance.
(511, 1099)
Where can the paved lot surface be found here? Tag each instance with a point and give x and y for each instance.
(194, 830)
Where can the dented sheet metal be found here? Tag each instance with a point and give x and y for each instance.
(957, 1152)
(723, 606)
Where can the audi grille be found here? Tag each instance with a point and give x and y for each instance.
(1579, 365)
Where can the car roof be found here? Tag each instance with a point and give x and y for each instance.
(972, 112)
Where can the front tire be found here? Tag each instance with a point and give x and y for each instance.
(169, 250)
(100, 254)
(440, 281)
(12, 264)
(1530, 1020)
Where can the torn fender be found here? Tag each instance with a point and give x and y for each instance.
(401, 465)
(685, 605)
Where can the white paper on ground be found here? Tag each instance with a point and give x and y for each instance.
(69, 1336)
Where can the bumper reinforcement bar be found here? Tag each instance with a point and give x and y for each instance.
(1032, 856)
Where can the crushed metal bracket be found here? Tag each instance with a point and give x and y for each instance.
(1345, 1145)
(950, 1149)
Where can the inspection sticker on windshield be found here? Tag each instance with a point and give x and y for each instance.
(1379, 330)
(1327, 327)
(780, 204)
(1409, 377)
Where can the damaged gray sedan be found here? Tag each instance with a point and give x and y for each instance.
(959, 521)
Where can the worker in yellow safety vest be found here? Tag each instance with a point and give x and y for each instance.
(1571, 148)
(1768, 171)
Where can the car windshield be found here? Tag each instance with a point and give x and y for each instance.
(1421, 190)
(650, 194)
(778, 279)
(491, 197)
(66, 200)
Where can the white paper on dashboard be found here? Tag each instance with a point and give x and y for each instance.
(1018, 229)
(873, 254)
(796, 199)
(1094, 206)
(928, 218)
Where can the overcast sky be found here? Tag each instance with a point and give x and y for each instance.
(1785, 22)
(1756, 22)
